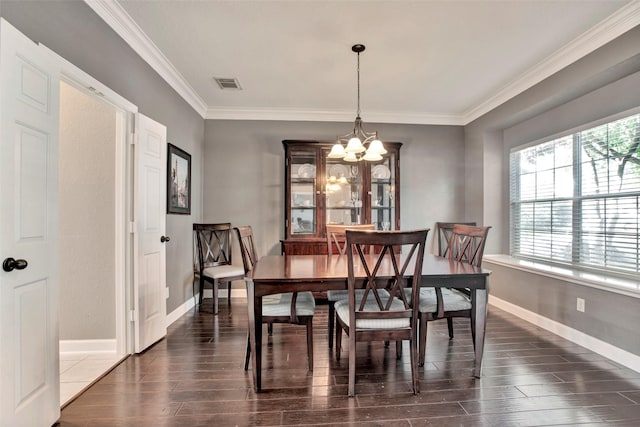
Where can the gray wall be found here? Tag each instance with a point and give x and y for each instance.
(486, 180)
(244, 172)
(75, 32)
(604, 83)
(86, 222)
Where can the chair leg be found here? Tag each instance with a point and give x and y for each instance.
(398, 350)
(331, 322)
(310, 343)
(338, 341)
(200, 298)
(228, 293)
(215, 297)
(352, 364)
(422, 331)
(473, 333)
(247, 354)
(414, 369)
(450, 326)
(270, 329)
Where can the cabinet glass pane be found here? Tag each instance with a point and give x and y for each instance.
(383, 190)
(303, 192)
(343, 192)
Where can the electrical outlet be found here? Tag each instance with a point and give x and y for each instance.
(166, 292)
(580, 305)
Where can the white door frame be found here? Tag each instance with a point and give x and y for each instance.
(125, 112)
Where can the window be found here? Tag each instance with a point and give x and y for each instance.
(576, 199)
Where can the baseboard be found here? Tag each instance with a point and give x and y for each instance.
(181, 310)
(623, 357)
(222, 293)
(88, 346)
(208, 293)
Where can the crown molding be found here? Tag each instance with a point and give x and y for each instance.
(119, 20)
(610, 28)
(607, 30)
(285, 114)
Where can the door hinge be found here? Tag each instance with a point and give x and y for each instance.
(132, 315)
(132, 227)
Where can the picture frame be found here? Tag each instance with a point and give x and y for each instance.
(178, 181)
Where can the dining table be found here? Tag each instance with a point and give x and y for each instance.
(275, 274)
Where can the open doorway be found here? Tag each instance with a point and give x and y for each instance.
(90, 341)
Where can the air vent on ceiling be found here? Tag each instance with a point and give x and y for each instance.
(227, 83)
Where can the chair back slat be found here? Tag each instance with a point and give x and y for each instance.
(247, 247)
(467, 243)
(395, 266)
(336, 235)
(443, 231)
(213, 244)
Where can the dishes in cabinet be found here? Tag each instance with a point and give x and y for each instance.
(338, 171)
(307, 171)
(380, 172)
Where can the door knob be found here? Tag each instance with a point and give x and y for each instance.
(10, 264)
(164, 239)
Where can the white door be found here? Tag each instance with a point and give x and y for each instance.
(149, 216)
(29, 114)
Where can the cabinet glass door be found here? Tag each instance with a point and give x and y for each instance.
(383, 193)
(343, 192)
(303, 193)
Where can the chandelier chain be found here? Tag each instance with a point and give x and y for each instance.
(358, 112)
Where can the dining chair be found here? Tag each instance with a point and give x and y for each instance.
(212, 263)
(293, 307)
(336, 240)
(466, 244)
(443, 231)
(378, 316)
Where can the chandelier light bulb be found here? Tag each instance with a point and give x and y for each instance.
(372, 157)
(337, 151)
(350, 157)
(376, 147)
(355, 146)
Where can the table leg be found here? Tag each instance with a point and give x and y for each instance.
(255, 333)
(479, 315)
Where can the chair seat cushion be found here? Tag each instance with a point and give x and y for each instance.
(452, 300)
(342, 310)
(344, 294)
(222, 271)
(280, 304)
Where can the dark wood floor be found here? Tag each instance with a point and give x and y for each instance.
(195, 377)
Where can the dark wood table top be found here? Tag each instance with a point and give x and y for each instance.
(322, 268)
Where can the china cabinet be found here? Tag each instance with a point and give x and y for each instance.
(320, 191)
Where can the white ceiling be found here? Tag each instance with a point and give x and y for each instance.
(426, 62)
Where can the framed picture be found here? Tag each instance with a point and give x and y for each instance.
(178, 181)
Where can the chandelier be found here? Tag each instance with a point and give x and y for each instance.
(360, 144)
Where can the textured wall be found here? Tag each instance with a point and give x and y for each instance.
(87, 226)
(75, 32)
(244, 172)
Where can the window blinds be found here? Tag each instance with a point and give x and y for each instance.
(576, 199)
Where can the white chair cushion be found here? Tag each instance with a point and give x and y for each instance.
(280, 304)
(344, 294)
(342, 310)
(452, 300)
(222, 271)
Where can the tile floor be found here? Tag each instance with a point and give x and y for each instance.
(79, 370)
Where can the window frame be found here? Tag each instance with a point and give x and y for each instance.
(577, 198)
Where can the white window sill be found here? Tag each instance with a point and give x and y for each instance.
(618, 285)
